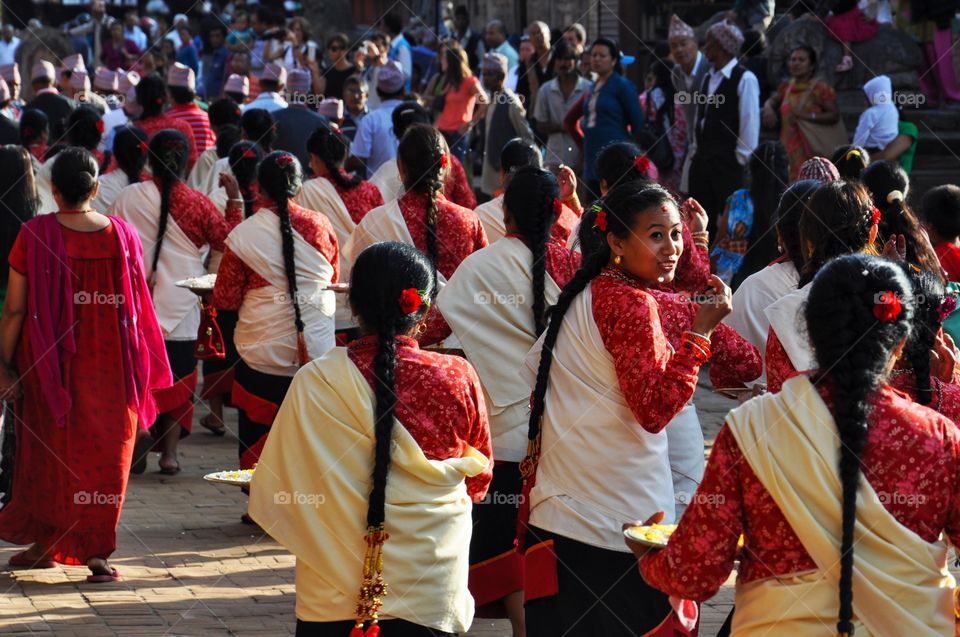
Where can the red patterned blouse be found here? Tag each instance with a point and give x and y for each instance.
(360, 199)
(656, 381)
(234, 277)
(779, 366)
(456, 187)
(199, 218)
(151, 125)
(439, 402)
(735, 361)
(459, 234)
(911, 451)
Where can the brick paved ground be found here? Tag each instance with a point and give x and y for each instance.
(191, 568)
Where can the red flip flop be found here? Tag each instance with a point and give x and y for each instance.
(20, 560)
(114, 576)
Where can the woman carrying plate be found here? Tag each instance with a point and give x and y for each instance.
(824, 545)
(180, 228)
(275, 271)
(401, 446)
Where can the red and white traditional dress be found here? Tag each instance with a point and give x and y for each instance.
(491, 216)
(614, 386)
(456, 187)
(199, 123)
(734, 362)
(459, 234)
(252, 280)
(110, 186)
(201, 170)
(441, 460)
(151, 125)
(909, 494)
(194, 228)
(487, 303)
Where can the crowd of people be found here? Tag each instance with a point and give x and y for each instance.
(485, 394)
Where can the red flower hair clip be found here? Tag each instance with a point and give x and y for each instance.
(444, 161)
(557, 207)
(285, 160)
(875, 218)
(410, 300)
(642, 164)
(946, 307)
(600, 223)
(144, 147)
(249, 154)
(100, 126)
(887, 307)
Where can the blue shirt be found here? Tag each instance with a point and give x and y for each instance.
(187, 55)
(606, 117)
(375, 141)
(213, 73)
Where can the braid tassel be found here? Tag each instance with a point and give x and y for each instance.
(373, 588)
(303, 356)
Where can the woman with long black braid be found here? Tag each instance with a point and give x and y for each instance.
(840, 486)
(402, 438)
(244, 157)
(423, 218)
(130, 150)
(606, 385)
(275, 273)
(496, 303)
(179, 228)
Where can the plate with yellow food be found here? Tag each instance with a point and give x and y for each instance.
(655, 535)
(238, 478)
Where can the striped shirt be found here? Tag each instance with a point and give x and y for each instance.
(199, 121)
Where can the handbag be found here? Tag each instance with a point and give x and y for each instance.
(823, 139)
(209, 337)
(653, 136)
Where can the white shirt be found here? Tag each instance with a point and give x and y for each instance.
(268, 101)
(137, 36)
(375, 141)
(8, 50)
(748, 94)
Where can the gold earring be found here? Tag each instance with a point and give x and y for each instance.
(617, 259)
(421, 328)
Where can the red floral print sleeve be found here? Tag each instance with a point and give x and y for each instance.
(945, 397)
(655, 381)
(693, 268)
(439, 402)
(779, 366)
(199, 219)
(734, 362)
(233, 280)
(360, 199)
(911, 460)
(456, 188)
(562, 263)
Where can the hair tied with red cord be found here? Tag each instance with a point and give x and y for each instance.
(285, 160)
(444, 161)
(557, 207)
(946, 307)
(411, 299)
(144, 147)
(875, 216)
(249, 154)
(887, 307)
(100, 127)
(642, 164)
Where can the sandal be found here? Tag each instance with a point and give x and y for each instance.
(207, 423)
(170, 471)
(845, 64)
(20, 560)
(112, 576)
(141, 450)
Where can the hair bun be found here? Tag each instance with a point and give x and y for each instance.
(894, 195)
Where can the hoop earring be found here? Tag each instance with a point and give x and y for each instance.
(617, 259)
(421, 328)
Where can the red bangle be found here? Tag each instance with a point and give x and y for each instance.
(697, 351)
(697, 339)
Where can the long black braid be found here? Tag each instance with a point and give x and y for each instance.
(836, 221)
(530, 198)
(787, 218)
(853, 349)
(380, 275)
(169, 151)
(929, 294)
(621, 207)
(244, 157)
(420, 153)
(332, 148)
(130, 149)
(280, 178)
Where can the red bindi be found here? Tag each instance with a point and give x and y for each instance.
(665, 208)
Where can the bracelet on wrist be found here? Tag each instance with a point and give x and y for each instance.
(697, 338)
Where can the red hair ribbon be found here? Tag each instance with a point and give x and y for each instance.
(100, 126)
(557, 207)
(444, 160)
(887, 307)
(875, 219)
(285, 160)
(144, 147)
(410, 300)
(249, 154)
(642, 164)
